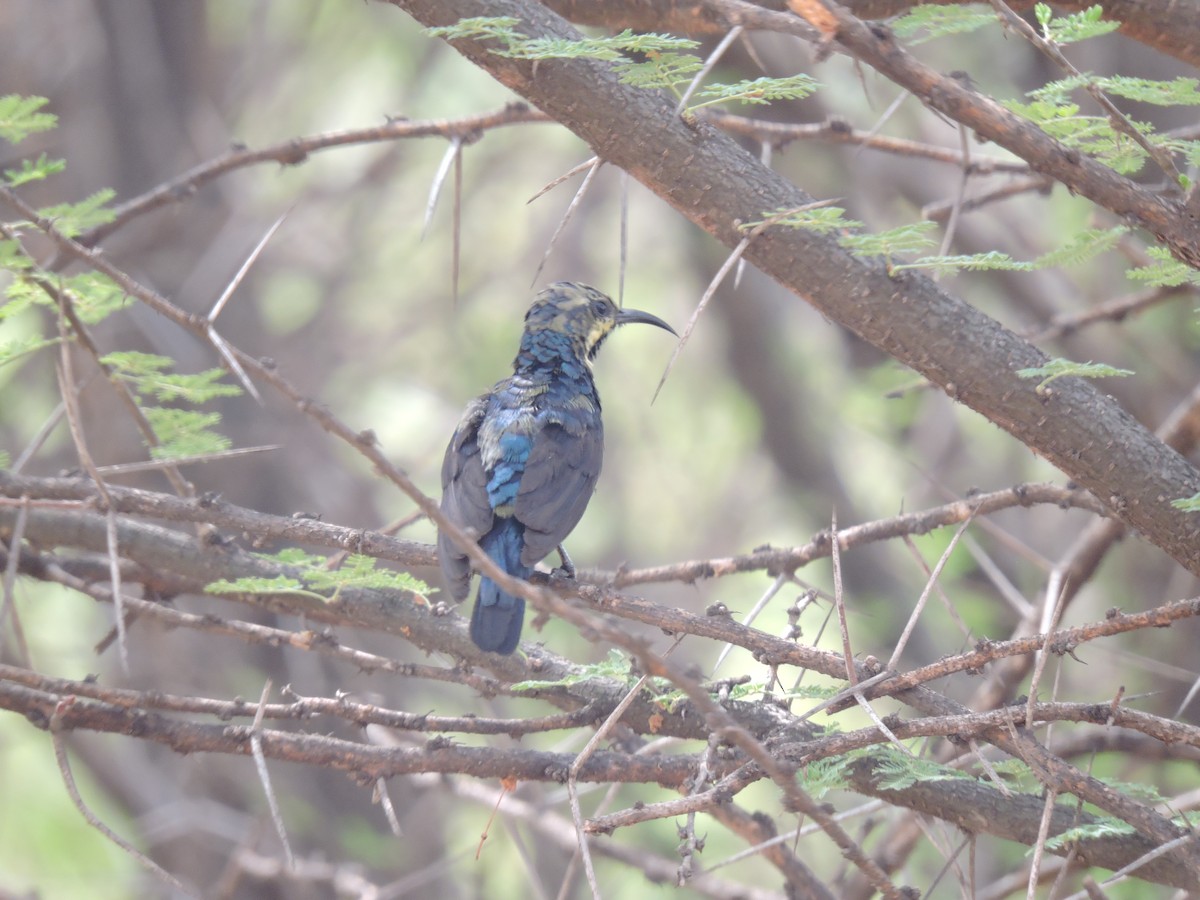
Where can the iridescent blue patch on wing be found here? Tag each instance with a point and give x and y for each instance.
(506, 476)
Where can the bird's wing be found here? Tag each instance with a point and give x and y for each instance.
(464, 496)
(560, 475)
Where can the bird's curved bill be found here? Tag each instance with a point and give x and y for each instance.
(628, 316)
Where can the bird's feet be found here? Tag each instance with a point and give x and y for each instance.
(567, 569)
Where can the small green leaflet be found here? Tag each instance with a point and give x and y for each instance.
(1166, 271)
(819, 219)
(479, 28)
(356, 572)
(1074, 27)
(615, 665)
(72, 219)
(360, 571)
(1179, 92)
(145, 373)
(1082, 247)
(95, 296)
(1057, 368)
(974, 262)
(1105, 827)
(821, 776)
(10, 351)
(662, 71)
(34, 170)
(603, 48)
(184, 432)
(937, 21)
(280, 584)
(893, 242)
(759, 90)
(19, 117)
(1188, 504)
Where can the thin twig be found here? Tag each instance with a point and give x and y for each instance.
(64, 767)
(264, 777)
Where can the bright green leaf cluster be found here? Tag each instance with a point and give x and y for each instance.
(759, 90)
(1107, 827)
(644, 60)
(1188, 504)
(314, 576)
(95, 296)
(663, 71)
(1074, 27)
(146, 373)
(821, 776)
(1177, 92)
(1082, 247)
(360, 571)
(937, 21)
(19, 117)
(179, 432)
(280, 584)
(184, 432)
(501, 28)
(1093, 135)
(818, 219)
(72, 219)
(991, 261)
(894, 242)
(1165, 271)
(613, 47)
(1058, 368)
(898, 770)
(33, 170)
(615, 665)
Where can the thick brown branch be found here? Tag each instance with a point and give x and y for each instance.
(363, 761)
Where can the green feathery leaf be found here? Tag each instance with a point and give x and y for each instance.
(894, 242)
(615, 666)
(280, 584)
(501, 28)
(73, 219)
(1058, 368)
(1082, 247)
(12, 350)
(819, 219)
(938, 21)
(897, 770)
(95, 296)
(184, 432)
(19, 117)
(1074, 27)
(820, 777)
(974, 262)
(659, 71)
(759, 90)
(1106, 827)
(1165, 271)
(362, 572)
(34, 170)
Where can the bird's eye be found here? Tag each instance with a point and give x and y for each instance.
(600, 308)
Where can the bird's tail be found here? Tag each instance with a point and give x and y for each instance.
(497, 618)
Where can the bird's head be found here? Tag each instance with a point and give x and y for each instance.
(583, 314)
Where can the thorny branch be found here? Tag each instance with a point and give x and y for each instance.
(54, 531)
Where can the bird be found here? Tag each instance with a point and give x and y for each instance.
(525, 457)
